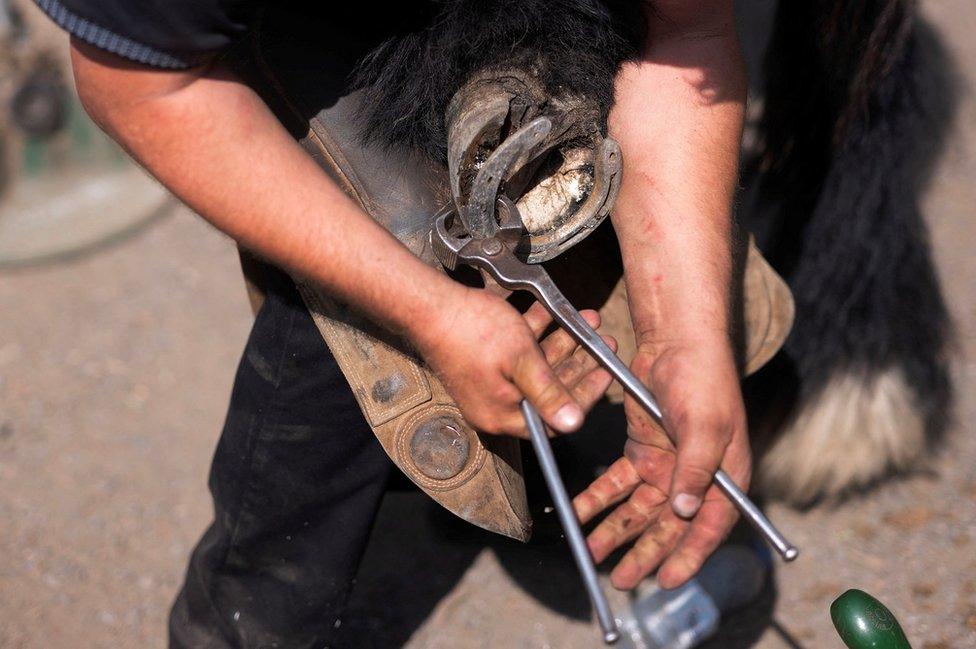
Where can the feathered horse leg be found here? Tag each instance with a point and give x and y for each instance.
(851, 118)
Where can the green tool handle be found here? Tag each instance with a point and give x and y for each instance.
(865, 623)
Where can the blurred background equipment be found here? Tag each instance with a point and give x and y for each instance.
(61, 179)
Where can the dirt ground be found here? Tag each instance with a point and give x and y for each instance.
(115, 372)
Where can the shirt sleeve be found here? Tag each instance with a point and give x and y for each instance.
(174, 34)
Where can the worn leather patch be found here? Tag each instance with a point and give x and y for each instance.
(386, 381)
(430, 457)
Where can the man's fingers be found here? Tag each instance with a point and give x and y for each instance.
(573, 368)
(611, 487)
(513, 424)
(540, 385)
(705, 533)
(584, 377)
(498, 415)
(537, 318)
(559, 345)
(701, 447)
(552, 392)
(591, 388)
(649, 550)
(627, 521)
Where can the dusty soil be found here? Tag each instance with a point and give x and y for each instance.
(115, 371)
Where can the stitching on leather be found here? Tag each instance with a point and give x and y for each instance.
(409, 424)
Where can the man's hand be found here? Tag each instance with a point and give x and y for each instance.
(678, 118)
(488, 357)
(651, 477)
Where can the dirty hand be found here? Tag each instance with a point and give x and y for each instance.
(678, 116)
(667, 500)
(489, 358)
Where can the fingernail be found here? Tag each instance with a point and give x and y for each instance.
(568, 417)
(686, 505)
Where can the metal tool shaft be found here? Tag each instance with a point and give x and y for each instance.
(574, 535)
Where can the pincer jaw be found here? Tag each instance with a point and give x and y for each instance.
(449, 240)
(444, 243)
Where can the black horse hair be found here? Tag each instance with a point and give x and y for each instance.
(572, 46)
(853, 119)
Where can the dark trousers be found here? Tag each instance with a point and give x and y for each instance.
(296, 479)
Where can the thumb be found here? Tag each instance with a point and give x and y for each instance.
(539, 384)
(700, 452)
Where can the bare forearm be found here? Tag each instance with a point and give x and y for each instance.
(678, 118)
(214, 143)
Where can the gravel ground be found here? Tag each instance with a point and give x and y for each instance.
(115, 370)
